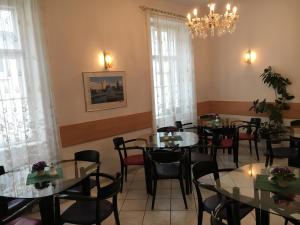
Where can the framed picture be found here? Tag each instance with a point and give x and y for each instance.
(104, 90)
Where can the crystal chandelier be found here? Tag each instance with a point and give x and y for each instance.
(213, 22)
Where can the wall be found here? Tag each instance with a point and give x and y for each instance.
(75, 32)
(270, 28)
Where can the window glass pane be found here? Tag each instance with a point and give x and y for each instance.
(9, 35)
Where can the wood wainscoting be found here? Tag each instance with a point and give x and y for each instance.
(94, 130)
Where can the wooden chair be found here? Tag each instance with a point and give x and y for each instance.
(91, 210)
(167, 164)
(87, 184)
(225, 138)
(279, 152)
(125, 159)
(167, 129)
(248, 131)
(210, 204)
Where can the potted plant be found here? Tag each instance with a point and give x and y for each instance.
(39, 168)
(282, 176)
(274, 109)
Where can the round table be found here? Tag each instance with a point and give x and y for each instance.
(167, 140)
(249, 185)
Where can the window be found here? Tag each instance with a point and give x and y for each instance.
(27, 126)
(172, 71)
(13, 97)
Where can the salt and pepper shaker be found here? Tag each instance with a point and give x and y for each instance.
(52, 171)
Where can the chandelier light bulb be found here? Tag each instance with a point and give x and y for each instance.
(212, 7)
(228, 6)
(189, 16)
(195, 12)
(234, 10)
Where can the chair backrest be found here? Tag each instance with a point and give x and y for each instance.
(225, 132)
(256, 121)
(295, 123)
(166, 156)
(120, 146)
(178, 125)
(203, 168)
(88, 155)
(167, 129)
(2, 171)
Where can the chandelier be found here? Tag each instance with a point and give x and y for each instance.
(213, 22)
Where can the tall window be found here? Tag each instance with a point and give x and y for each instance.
(27, 128)
(173, 71)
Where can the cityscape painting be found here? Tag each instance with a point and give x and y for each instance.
(104, 90)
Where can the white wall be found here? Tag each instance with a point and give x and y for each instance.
(75, 32)
(271, 28)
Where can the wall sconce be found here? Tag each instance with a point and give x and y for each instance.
(250, 57)
(106, 60)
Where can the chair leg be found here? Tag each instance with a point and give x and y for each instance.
(122, 181)
(271, 160)
(116, 213)
(250, 145)
(200, 216)
(182, 191)
(125, 173)
(256, 149)
(154, 193)
(267, 160)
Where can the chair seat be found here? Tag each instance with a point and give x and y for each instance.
(167, 170)
(246, 136)
(212, 202)
(198, 157)
(78, 188)
(84, 212)
(284, 152)
(226, 143)
(25, 221)
(134, 160)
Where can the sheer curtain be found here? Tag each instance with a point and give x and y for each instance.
(27, 125)
(173, 78)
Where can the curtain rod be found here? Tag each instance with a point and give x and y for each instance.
(146, 8)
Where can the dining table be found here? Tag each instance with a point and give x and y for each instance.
(163, 140)
(250, 185)
(19, 183)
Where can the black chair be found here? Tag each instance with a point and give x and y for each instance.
(91, 210)
(185, 127)
(248, 131)
(125, 159)
(295, 123)
(278, 152)
(167, 164)
(167, 129)
(225, 138)
(11, 208)
(87, 184)
(209, 204)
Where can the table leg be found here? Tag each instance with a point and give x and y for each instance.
(233, 210)
(147, 170)
(46, 205)
(262, 217)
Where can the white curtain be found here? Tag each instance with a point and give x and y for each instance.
(27, 125)
(173, 78)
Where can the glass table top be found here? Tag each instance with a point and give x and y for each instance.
(13, 184)
(241, 185)
(165, 140)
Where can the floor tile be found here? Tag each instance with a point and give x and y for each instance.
(134, 205)
(137, 194)
(160, 204)
(183, 218)
(157, 218)
(132, 217)
(178, 204)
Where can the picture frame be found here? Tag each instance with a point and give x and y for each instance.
(104, 90)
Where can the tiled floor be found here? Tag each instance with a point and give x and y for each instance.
(135, 204)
